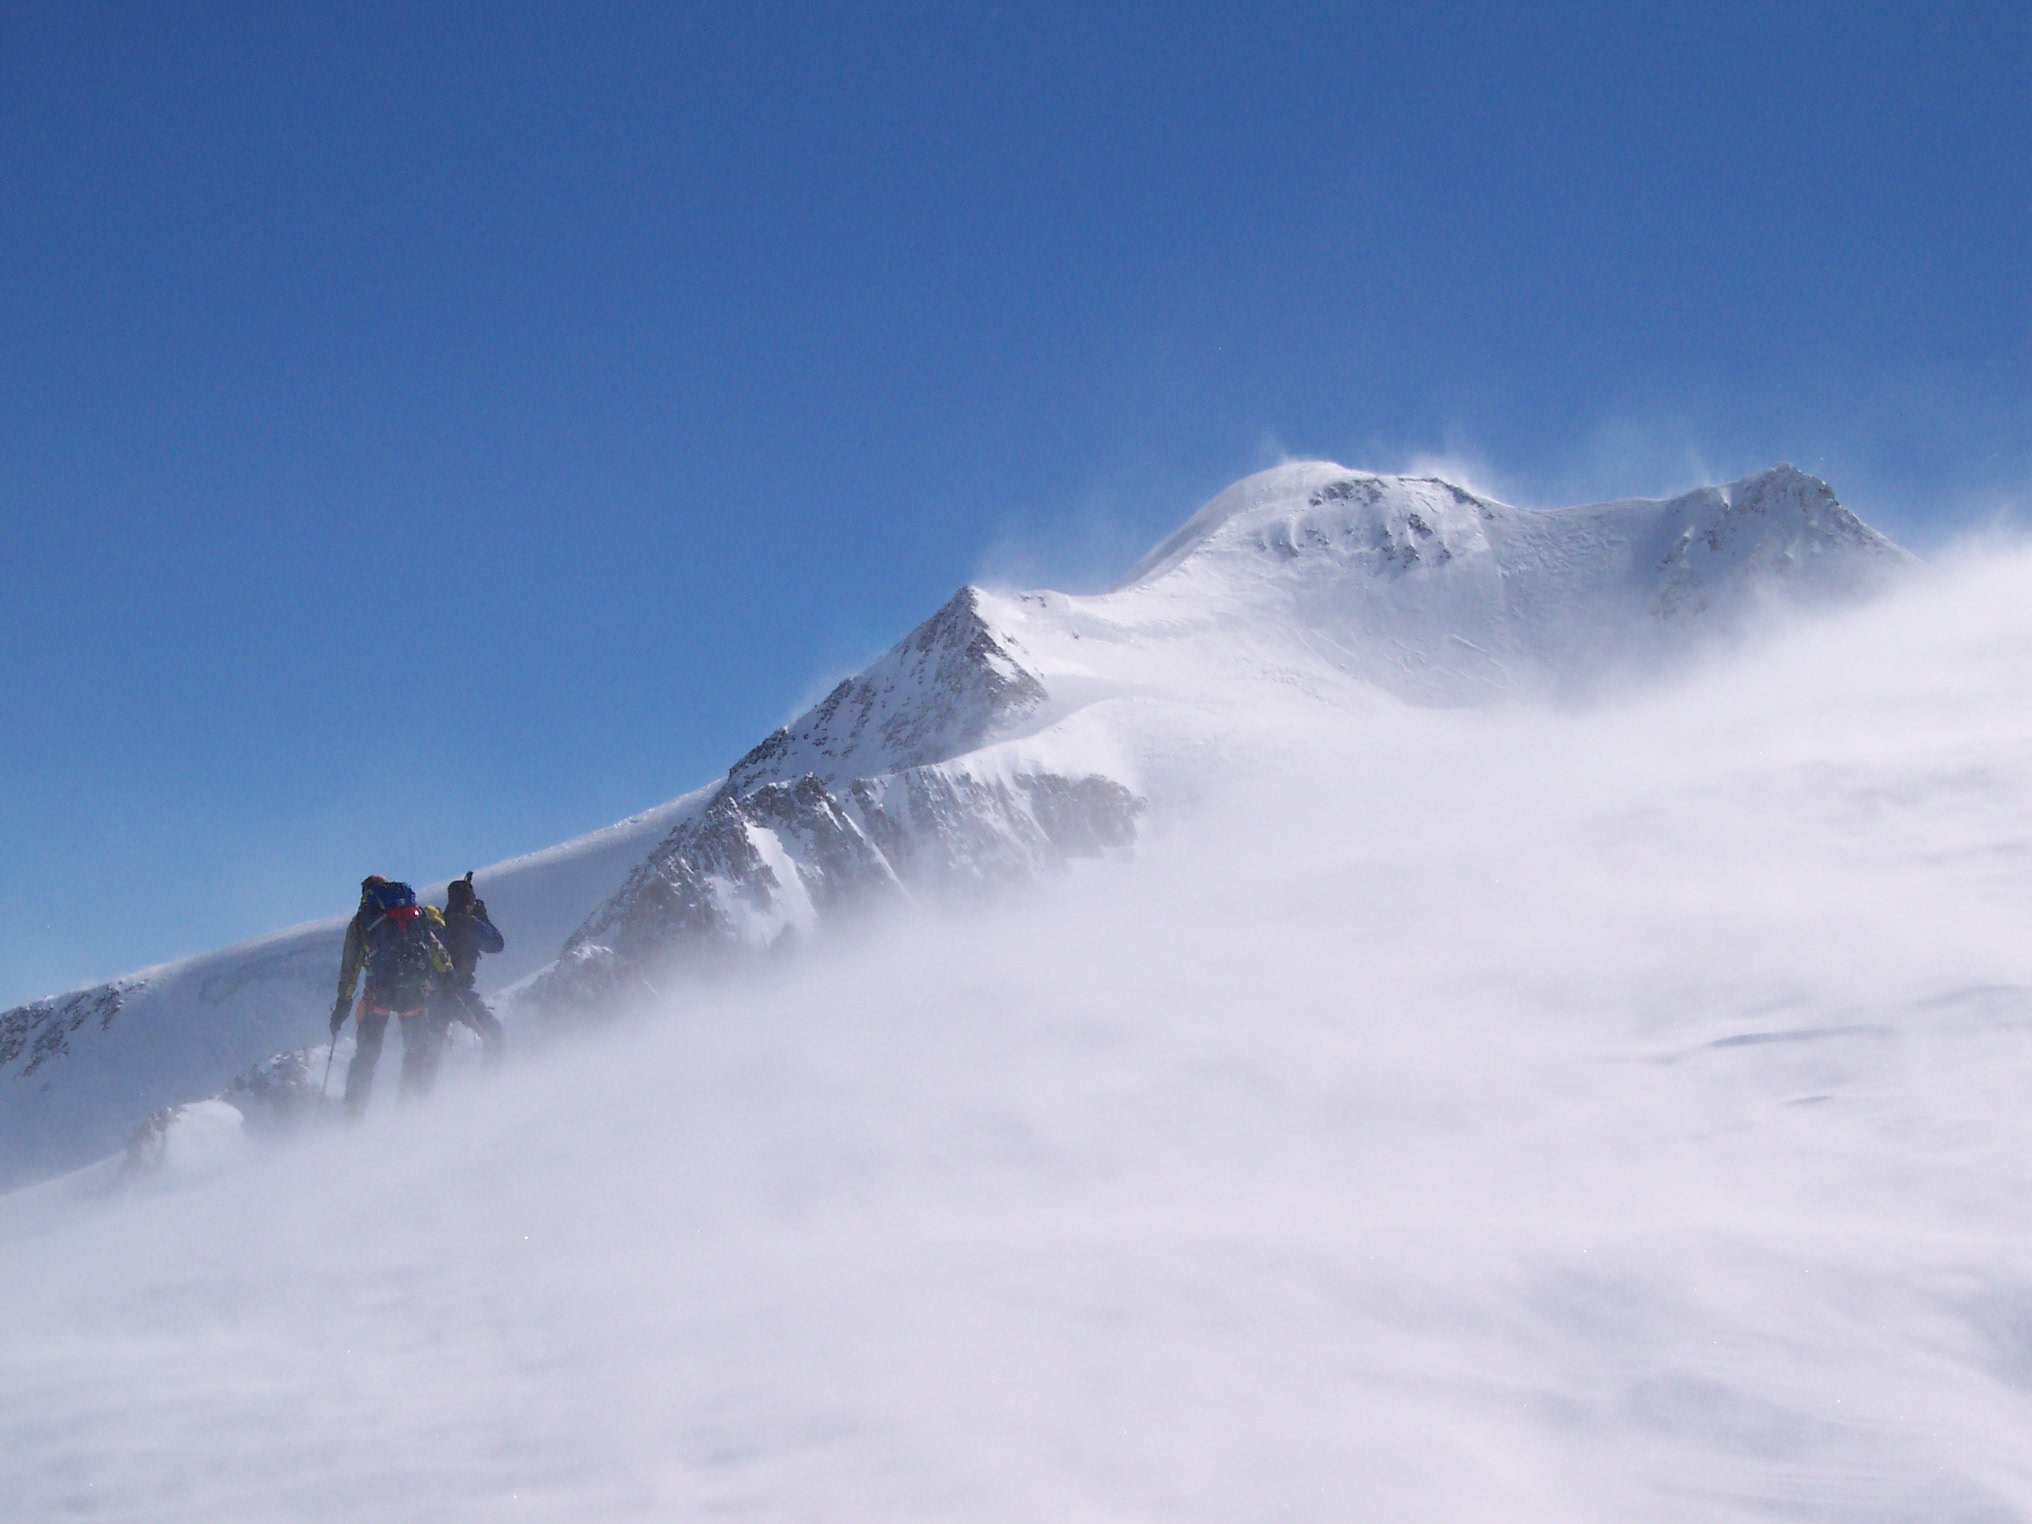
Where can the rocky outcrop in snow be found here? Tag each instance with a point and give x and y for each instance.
(793, 840)
(42, 1029)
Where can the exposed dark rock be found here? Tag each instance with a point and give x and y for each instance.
(858, 803)
(42, 1029)
(788, 859)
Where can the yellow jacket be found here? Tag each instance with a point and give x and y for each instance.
(353, 961)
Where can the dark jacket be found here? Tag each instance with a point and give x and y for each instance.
(466, 934)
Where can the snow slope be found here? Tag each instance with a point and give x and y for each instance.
(78, 1072)
(1011, 734)
(1498, 1113)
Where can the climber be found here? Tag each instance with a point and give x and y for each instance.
(467, 933)
(395, 945)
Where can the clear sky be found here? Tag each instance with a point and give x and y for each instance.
(428, 432)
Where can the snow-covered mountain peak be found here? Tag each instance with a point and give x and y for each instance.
(1779, 529)
(936, 693)
(1783, 480)
(1438, 594)
(1781, 500)
(1312, 507)
(1322, 515)
(1314, 573)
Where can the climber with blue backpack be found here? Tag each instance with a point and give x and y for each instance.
(394, 959)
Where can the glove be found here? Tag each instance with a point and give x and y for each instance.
(339, 1014)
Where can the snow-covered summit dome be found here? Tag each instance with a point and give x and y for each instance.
(1321, 506)
(1333, 520)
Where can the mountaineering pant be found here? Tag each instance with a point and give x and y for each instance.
(461, 1002)
(422, 1042)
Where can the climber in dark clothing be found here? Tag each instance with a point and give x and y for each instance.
(393, 959)
(467, 933)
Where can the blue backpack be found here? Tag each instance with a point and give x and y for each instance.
(402, 951)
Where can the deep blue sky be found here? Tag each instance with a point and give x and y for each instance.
(428, 432)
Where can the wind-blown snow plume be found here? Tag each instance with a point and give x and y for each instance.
(1511, 1114)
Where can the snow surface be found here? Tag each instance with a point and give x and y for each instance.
(1508, 1113)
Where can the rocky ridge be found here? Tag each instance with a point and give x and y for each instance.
(793, 839)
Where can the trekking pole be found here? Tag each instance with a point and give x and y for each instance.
(331, 1052)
